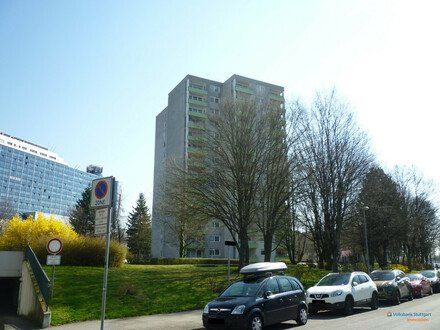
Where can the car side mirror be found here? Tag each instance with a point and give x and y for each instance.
(355, 283)
(397, 278)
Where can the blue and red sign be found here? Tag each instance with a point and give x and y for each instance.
(101, 189)
(101, 195)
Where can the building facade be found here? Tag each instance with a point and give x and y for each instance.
(181, 130)
(34, 179)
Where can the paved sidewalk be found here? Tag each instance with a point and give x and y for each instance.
(175, 321)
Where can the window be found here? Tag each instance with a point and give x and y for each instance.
(272, 286)
(214, 238)
(363, 278)
(197, 98)
(356, 279)
(214, 99)
(295, 284)
(193, 85)
(196, 110)
(285, 284)
(215, 224)
(260, 89)
(214, 252)
(215, 89)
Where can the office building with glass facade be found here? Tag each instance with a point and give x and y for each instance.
(34, 179)
(181, 133)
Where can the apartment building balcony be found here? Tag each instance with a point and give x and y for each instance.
(197, 114)
(198, 91)
(196, 138)
(244, 90)
(197, 126)
(197, 151)
(197, 164)
(198, 103)
(276, 97)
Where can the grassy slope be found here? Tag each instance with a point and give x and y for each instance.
(135, 290)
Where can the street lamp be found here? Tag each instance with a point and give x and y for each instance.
(366, 241)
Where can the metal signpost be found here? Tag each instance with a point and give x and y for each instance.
(102, 201)
(54, 246)
(229, 243)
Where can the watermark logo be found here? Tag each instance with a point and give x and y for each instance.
(412, 316)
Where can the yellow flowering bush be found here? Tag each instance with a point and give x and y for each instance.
(20, 233)
(400, 267)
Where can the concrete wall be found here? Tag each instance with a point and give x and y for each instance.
(10, 263)
(31, 304)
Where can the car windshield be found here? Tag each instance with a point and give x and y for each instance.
(428, 273)
(382, 276)
(243, 288)
(414, 277)
(335, 279)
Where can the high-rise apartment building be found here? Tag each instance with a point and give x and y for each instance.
(181, 130)
(34, 179)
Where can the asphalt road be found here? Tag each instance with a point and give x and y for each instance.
(410, 317)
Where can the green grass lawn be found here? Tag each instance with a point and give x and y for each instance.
(135, 290)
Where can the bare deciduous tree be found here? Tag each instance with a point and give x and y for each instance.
(183, 218)
(228, 187)
(7, 211)
(334, 157)
(420, 219)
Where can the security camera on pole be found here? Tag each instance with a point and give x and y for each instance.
(102, 201)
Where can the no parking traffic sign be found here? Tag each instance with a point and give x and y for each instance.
(101, 192)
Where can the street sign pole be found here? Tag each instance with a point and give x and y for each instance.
(107, 248)
(54, 246)
(53, 281)
(102, 200)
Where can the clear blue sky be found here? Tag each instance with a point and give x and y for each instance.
(86, 79)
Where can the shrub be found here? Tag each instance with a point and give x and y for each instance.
(84, 251)
(191, 261)
(21, 233)
(399, 267)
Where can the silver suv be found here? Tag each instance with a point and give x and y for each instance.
(342, 292)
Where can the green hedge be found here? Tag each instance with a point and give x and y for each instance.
(191, 261)
(86, 251)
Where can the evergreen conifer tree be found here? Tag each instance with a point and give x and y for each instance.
(139, 231)
(82, 217)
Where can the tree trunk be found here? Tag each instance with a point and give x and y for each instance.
(267, 248)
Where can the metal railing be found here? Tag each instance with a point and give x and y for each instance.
(40, 276)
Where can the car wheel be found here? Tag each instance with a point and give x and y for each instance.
(411, 296)
(255, 322)
(430, 291)
(349, 305)
(421, 293)
(397, 298)
(302, 316)
(375, 301)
